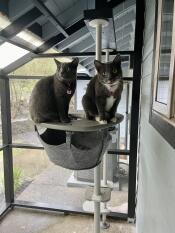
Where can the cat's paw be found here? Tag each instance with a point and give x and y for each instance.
(100, 121)
(114, 119)
(103, 122)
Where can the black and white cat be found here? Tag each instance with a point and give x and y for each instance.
(51, 96)
(103, 93)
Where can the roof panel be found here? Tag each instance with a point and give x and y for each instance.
(10, 53)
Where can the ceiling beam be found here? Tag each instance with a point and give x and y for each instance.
(88, 61)
(21, 23)
(87, 51)
(18, 8)
(124, 19)
(126, 46)
(74, 39)
(127, 29)
(68, 17)
(60, 37)
(51, 17)
(124, 8)
(83, 45)
(126, 38)
(19, 42)
(72, 15)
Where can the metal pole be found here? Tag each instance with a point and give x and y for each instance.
(98, 41)
(104, 224)
(118, 157)
(97, 178)
(107, 55)
(97, 203)
(127, 112)
(105, 155)
(7, 140)
(105, 161)
(138, 46)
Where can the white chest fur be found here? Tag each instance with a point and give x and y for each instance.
(109, 103)
(110, 100)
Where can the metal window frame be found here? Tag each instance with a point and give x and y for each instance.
(7, 134)
(160, 123)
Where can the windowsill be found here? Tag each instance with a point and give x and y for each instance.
(166, 127)
(170, 121)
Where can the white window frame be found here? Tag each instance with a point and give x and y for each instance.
(166, 110)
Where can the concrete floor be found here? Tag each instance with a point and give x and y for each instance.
(27, 221)
(50, 186)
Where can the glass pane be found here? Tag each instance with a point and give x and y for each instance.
(165, 51)
(35, 175)
(14, 51)
(40, 67)
(2, 191)
(22, 126)
(124, 108)
(81, 89)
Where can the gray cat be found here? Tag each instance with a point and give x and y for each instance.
(51, 96)
(103, 93)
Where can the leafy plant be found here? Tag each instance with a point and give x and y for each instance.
(17, 177)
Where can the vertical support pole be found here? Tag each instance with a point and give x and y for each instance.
(105, 224)
(7, 139)
(127, 118)
(105, 157)
(97, 203)
(98, 42)
(107, 55)
(135, 107)
(105, 163)
(97, 179)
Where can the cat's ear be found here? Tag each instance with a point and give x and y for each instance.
(97, 64)
(117, 60)
(57, 63)
(75, 62)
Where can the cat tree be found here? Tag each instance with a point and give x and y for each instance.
(75, 154)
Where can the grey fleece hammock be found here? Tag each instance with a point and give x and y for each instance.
(78, 145)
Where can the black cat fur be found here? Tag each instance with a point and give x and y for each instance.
(51, 96)
(103, 93)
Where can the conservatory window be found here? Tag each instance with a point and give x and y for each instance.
(10, 53)
(164, 78)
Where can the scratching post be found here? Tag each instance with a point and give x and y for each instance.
(104, 223)
(97, 23)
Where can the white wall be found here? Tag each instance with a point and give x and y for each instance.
(156, 188)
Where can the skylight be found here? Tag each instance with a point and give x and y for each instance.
(30, 38)
(4, 21)
(10, 53)
(25, 34)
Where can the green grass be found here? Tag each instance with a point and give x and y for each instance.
(17, 177)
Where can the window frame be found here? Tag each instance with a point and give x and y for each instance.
(163, 121)
(164, 109)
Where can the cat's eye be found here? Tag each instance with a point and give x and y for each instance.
(114, 71)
